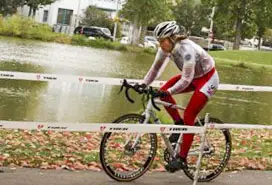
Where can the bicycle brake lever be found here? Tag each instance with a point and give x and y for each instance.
(127, 95)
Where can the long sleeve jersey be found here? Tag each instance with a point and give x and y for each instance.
(192, 60)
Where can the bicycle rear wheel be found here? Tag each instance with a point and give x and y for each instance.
(125, 158)
(217, 152)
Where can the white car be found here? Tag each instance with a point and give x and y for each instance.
(150, 42)
(125, 40)
(253, 42)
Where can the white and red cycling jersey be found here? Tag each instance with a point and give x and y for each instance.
(192, 60)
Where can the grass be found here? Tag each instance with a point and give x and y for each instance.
(244, 59)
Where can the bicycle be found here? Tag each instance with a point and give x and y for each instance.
(133, 147)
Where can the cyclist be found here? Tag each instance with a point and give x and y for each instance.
(198, 74)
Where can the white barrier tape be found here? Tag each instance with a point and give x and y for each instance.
(111, 127)
(111, 81)
(100, 127)
(238, 126)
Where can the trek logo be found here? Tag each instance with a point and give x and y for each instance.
(248, 88)
(161, 83)
(38, 77)
(119, 129)
(90, 80)
(40, 126)
(211, 89)
(211, 125)
(50, 78)
(80, 79)
(162, 129)
(102, 128)
(6, 75)
(178, 129)
(56, 128)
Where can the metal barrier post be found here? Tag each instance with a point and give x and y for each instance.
(201, 149)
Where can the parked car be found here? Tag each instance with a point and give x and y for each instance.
(215, 47)
(125, 40)
(253, 42)
(94, 32)
(150, 42)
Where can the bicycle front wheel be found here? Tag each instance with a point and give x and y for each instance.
(216, 154)
(127, 156)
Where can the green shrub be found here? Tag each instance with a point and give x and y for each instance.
(27, 28)
(150, 50)
(79, 40)
(97, 43)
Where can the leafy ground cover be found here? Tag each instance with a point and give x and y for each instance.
(252, 149)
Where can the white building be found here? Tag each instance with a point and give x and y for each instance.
(65, 15)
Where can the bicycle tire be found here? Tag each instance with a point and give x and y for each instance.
(130, 176)
(189, 172)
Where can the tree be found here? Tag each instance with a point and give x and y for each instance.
(145, 12)
(10, 6)
(192, 15)
(263, 17)
(231, 14)
(238, 19)
(96, 17)
(35, 4)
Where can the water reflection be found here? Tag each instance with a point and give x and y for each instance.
(71, 102)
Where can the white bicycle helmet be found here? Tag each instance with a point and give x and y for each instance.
(166, 29)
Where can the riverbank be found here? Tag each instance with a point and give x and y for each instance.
(25, 28)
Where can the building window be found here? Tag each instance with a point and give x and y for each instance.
(64, 16)
(45, 15)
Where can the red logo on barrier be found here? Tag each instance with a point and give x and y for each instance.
(80, 79)
(162, 129)
(38, 77)
(102, 128)
(212, 126)
(40, 126)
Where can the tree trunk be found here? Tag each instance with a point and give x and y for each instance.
(238, 28)
(240, 16)
(30, 11)
(142, 35)
(135, 32)
(259, 43)
(34, 12)
(260, 34)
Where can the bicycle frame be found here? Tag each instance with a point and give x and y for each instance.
(150, 113)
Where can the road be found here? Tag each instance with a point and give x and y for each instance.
(24, 176)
